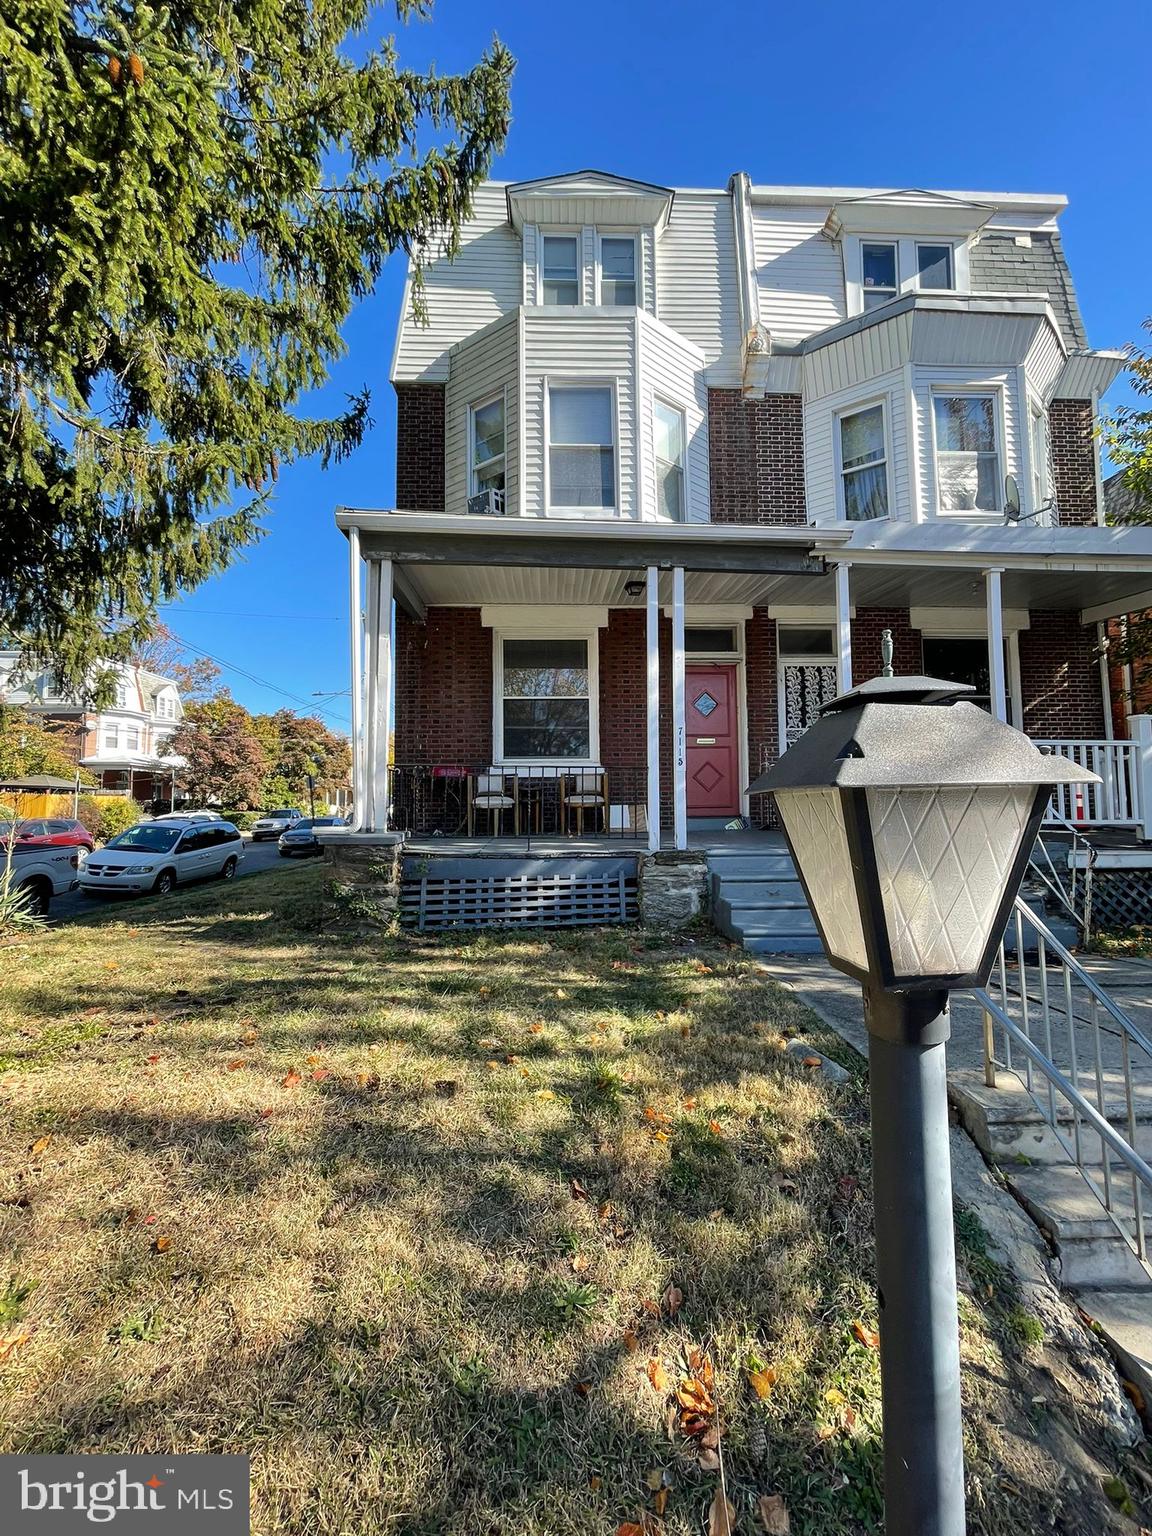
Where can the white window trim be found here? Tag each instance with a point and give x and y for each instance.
(110, 736)
(478, 405)
(1041, 471)
(685, 497)
(617, 234)
(884, 402)
(907, 274)
(545, 629)
(566, 232)
(995, 392)
(570, 382)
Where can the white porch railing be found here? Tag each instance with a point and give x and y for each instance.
(1117, 801)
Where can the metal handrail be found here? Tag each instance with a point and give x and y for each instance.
(1036, 1009)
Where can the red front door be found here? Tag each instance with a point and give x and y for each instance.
(711, 717)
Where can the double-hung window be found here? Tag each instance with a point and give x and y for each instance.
(879, 273)
(863, 464)
(487, 446)
(581, 447)
(934, 266)
(967, 456)
(668, 425)
(617, 269)
(560, 269)
(546, 699)
(111, 736)
(132, 738)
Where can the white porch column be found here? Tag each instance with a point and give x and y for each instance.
(368, 728)
(1140, 728)
(995, 645)
(653, 637)
(382, 695)
(843, 628)
(1105, 681)
(355, 643)
(679, 738)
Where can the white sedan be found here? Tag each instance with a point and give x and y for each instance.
(157, 856)
(273, 823)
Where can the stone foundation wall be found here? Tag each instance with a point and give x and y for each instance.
(673, 889)
(366, 880)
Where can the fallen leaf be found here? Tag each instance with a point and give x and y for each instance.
(694, 1424)
(320, 1074)
(149, 1221)
(631, 1342)
(536, 1029)
(153, 1059)
(38, 1148)
(661, 1014)
(673, 1300)
(651, 1306)
(657, 1375)
(524, 1072)
(700, 1365)
(111, 965)
(577, 1190)
(491, 1065)
(545, 1093)
(266, 1114)
(715, 1127)
(812, 1061)
(629, 1528)
(660, 1501)
(10, 1342)
(693, 1395)
(511, 1060)
(594, 1483)
(685, 1031)
(161, 1244)
(709, 1460)
(866, 1336)
(762, 1382)
(661, 1136)
(290, 1079)
(1134, 1393)
(313, 1060)
(250, 1038)
(235, 1066)
(773, 1514)
(689, 1103)
(367, 1080)
(581, 1263)
(655, 1478)
(721, 1515)
(582, 1388)
(834, 1397)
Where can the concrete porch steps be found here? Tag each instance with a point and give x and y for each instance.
(758, 902)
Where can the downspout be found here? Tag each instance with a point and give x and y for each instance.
(354, 633)
(755, 339)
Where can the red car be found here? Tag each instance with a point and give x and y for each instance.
(56, 832)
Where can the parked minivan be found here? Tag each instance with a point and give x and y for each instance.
(158, 855)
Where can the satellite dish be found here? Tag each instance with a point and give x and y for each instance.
(1011, 499)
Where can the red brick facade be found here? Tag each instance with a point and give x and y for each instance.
(420, 447)
(1060, 676)
(756, 449)
(867, 632)
(1074, 488)
(443, 689)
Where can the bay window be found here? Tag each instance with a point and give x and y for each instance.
(487, 446)
(581, 447)
(967, 455)
(668, 425)
(111, 736)
(617, 269)
(544, 688)
(132, 738)
(560, 269)
(863, 464)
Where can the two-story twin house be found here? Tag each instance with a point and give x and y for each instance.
(670, 462)
(124, 746)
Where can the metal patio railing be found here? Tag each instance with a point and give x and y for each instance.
(1085, 1065)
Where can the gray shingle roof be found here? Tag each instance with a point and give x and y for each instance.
(997, 264)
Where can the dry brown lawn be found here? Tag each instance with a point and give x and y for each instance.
(410, 1222)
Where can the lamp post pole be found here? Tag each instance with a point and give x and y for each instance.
(915, 1263)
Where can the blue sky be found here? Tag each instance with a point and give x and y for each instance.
(1014, 97)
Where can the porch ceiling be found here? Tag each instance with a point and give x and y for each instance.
(454, 585)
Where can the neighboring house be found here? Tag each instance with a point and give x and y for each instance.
(670, 462)
(123, 745)
(1131, 680)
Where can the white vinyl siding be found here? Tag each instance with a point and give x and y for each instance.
(671, 370)
(821, 451)
(799, 272)
(646, 294)
(697, 292)
(856, 359)
(481, 368)
(598, 347)
(588, 264)
(531, 258)
(462, 297)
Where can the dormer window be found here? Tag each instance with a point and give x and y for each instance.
(617, 269)
(934, 266)
(560, 269)
(879, 265)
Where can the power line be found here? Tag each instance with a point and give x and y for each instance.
(260, 682)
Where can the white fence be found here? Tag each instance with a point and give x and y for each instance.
(1123, 797)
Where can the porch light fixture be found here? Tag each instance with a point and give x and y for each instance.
(635, 587)
(911, 816)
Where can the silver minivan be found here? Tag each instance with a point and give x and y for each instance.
(158, 855)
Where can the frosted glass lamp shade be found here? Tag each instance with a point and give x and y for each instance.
(814, 822)
(944, 856)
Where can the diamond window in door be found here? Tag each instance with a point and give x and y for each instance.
(705, 704)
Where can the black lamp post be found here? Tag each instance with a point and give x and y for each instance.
(911, 816)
